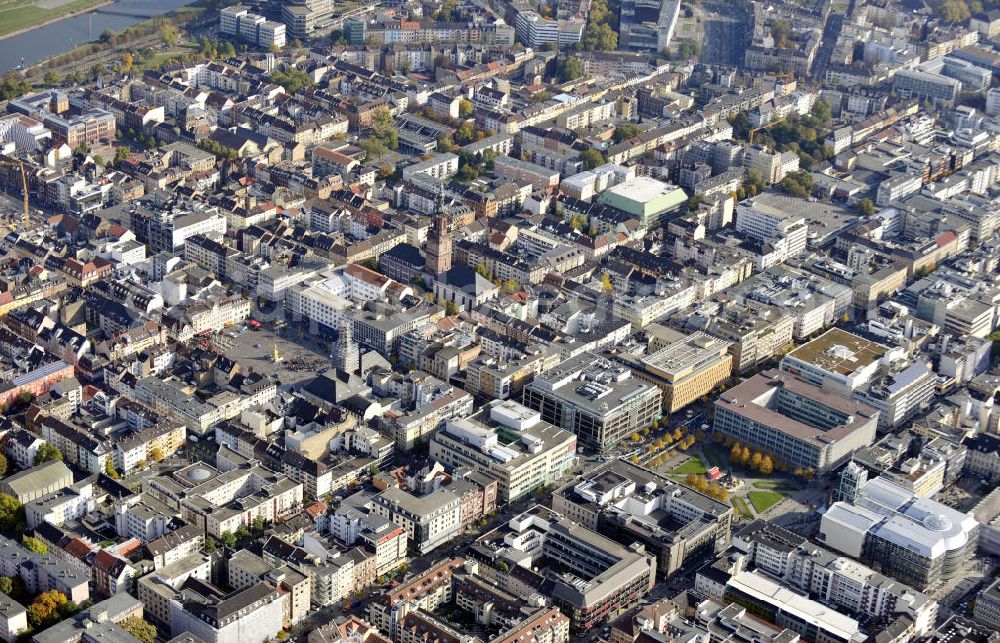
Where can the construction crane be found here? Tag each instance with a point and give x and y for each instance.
(24, 189)
(754, 130)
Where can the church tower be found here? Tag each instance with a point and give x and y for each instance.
(438, 255)
(346, 354)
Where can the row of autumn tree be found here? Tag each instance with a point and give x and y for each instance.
(764, 463)
(701, 485)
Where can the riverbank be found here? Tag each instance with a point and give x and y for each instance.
(20, 20)
(144, 34)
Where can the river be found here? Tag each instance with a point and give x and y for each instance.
(63, 35)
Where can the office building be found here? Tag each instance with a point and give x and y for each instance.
(986, 608)
(647, 25)
(601, 402)
(604, 578)
(509, 443)
(794, 421)
(835, 580)
(777, 604)
(757, 332)
(630, 503)
(250, 27)
(938, 89)
(686, 369)
(651, 201)
(916, 540)
(983, 456)
(836, 361)
(92, 127)
(993, 101)
(763, 221)
(900, 393)
(536, 31)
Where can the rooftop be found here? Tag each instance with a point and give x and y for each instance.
(839, 351)
(770, 397)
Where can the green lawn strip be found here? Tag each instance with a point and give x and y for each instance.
(774, 485)
(764, 500)
(694, 465)
(741, 506)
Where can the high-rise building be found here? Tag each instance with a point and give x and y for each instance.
(852, 478)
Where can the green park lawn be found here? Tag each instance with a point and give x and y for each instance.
(764, 500)
(694, 465)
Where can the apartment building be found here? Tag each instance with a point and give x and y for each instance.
(334, 576)
(42, 573)
(544, 626)
(246, 569)
(66, 505)
(440, 166)
(429, 520)
(13, 619)
(515, 169)
(220, 502)
(418, 425)
(426, 591)
(356, 521)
